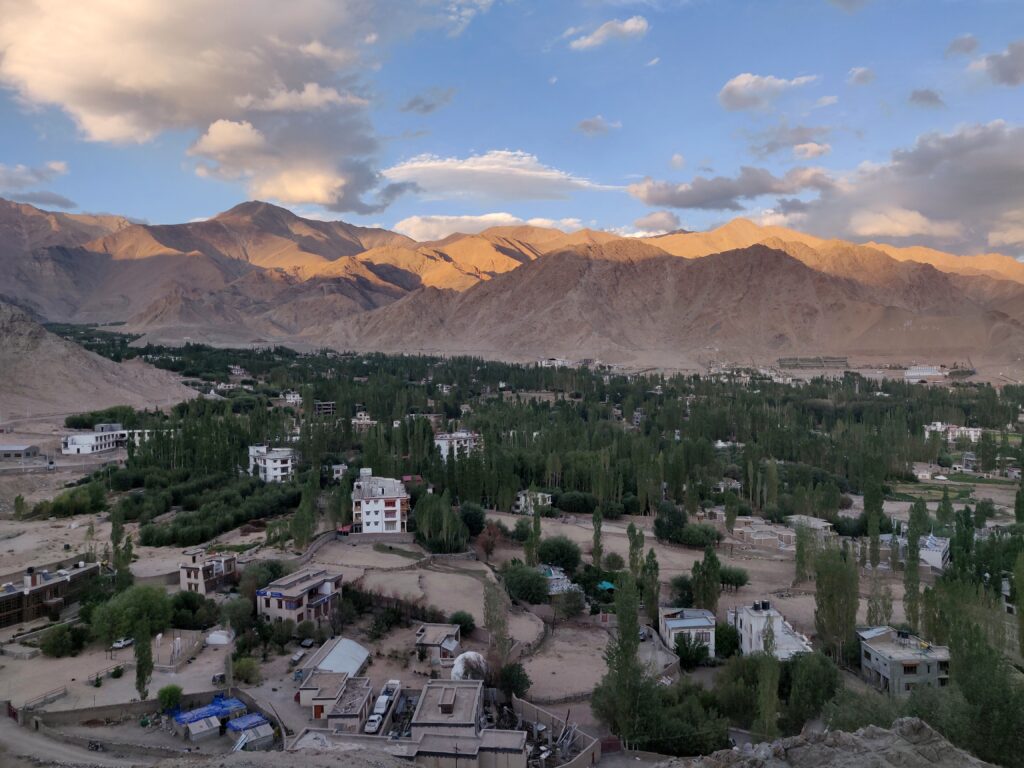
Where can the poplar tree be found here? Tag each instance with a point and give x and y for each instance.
(835, 600)
(597, 549)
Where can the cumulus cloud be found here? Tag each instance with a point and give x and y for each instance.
(677, 161)
(785, 137)
(616, 29)
(45, 199)
(962, 190)
(127, 72)
(749, 91)
(425, 103)
(657, 222)
(860, 76)
(926, 97)
(964, 45)
(498, 174)
(422, 228)
(725, 193)
(811, 149)
(901, 222)
(826, 101)
(597, 125)
(16, 177)
(1006, 68)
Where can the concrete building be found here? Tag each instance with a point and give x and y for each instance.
(19, 451)
(104, 438)
(923, 374)
(951, 432)
(527, 501)
(895, 661)
(272, 465)
(339, 654)
(41, 592)
(458, 443)
(439, 643)
(323, 407)
(308, 594)
(379, 504)
(292, 397)
(933, 551)
(344, 702)
(822, 529)
(205, 574)
(362, 422)
(752, 622)
(697, 623)
(338, 471)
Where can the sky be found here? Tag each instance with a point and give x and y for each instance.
(891, 120)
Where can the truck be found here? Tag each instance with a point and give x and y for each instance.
(388, 693)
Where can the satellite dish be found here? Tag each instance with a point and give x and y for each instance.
(469, 666)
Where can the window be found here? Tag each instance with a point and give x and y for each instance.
(910, 669)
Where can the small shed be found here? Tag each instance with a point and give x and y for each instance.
(245, 722)
(202, 730)
(258, 737)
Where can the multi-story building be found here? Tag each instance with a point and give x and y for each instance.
(458, 443)
(951, 432)
(527, 501)
(697, 623)
(752, 622)
(896, 661)
(379, 504)
(323, 407)
(272, 465)
(42, 592)
(105, 437)
(309, 594)
(292, 397)
(933, 551)
(205, 574)
(822, 529)
(362, 422)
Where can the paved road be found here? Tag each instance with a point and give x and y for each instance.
(22, 742)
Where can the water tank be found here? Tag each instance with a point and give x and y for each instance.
(469, 666)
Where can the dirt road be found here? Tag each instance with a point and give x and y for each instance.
(17, 742)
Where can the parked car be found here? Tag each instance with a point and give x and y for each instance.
(122, 642)
(307, 643)
(219, 679)
(373, 724)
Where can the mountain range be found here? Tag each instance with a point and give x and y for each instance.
(259, 273)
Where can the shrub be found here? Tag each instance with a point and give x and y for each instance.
(526, 584)
(465, 621)
(64, 641)
(169, 697)
(691, 652)
(561, 552)
(523, 529)
(473, 516)
(699, 535)
(513, 680)
(247, 670)
(305, 630)
(727, 640)
(613, 562)
(117, 672)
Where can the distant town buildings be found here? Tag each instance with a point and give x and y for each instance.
(752, 622)
(822, 529)
(309, 594)
(697, 623)
(379, 504)
(923, 374)
(272, 465)
(895, 661)
(932, 550)
(41, 593)
(205, 574)
(292, 397)
(323, 407)
(362, 422)
(527, 501)
(104, 437)
(951, 433)
(457, 444)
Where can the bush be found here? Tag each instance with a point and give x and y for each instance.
(64, 641)
(613, 562)
(247, 670)
(732, 577)
(526, 584)
(117, 672)
(169, 697)
(560, 551)
(523, 529)
(513, 680)
(727, 640)
(305, 630)
(576, 503)
(465, 621)
(691, 653)
(700, 535)
(473, 516)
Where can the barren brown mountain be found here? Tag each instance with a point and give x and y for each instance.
(260, 274)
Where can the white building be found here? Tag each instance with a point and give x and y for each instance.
(933, 551)
(697, 623)
(102, 440)
(752, 621)
(951, 432)
(457, 443)
(379, 504)
(205, 574)
(292, 397)
(272, 465)
(917, 374)
(527, 501)
(362, 422)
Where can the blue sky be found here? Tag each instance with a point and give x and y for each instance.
(434, 115)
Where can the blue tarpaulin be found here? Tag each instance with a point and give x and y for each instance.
(220, 707)
(605, 585)
(246, 721)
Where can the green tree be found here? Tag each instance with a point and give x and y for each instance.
(613, 562)
(874, 549)
(474, 518)
(597, 547)
(1018, 503)
(143, 656)
(916, 528)
(636, 550)
(836, 600)
(560, 551)
(766, 725)
(727, 640)
(169, 697)
(804, 554)
(682, 591)
(513, 680)
(496, 621)
(691, 652)
(120, 616)
(732, 509)
(814, 680)
(526, 584)
(247, 670)
(650, 585)
(879, 603)
(238, 614)
(465, 621)
(944, 515)
(1018, 585)
(305, 630)
(707, 582)
(571, 604)
(21, 508)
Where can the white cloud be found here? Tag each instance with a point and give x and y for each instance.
(901, 222)
(677, 161)
(616, 29)
(653, 62)
(860, 76)
(749, 91)
(1008, 231)
(811, 149)
(1006, 68)
(498, 174)
(826, 101)
(552, 80)
(127, 72)
(423, 228)
(226, 137)
(597, 125)
(17, 177)
(657, 222)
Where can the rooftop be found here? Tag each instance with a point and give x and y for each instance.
(377, 488)
(298, 583)
(435, 634)
(901, 646)
(449, 702)
(340, 655)
(688, 618)
(18, 448)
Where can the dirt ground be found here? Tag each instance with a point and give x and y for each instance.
(569, 663)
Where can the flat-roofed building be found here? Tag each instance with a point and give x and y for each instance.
(272, 465)
(457, 444)
(379, 504)
(104, 438)
(822, 529)
(40, 593)
(439, 642)
(344, 702)
(752, 622)
(205, 574)
(450, 707)
(308, 594)
(19, 451)
(698, 624)
(896, 661)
